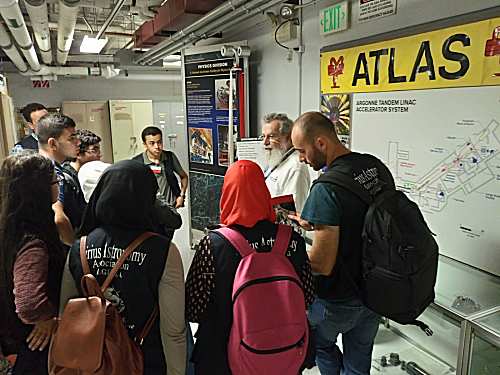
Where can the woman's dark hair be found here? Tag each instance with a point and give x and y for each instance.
(25, 214)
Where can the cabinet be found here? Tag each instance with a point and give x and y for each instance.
(94, 116)
(128, 119)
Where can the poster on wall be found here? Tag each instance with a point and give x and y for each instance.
(370, 10)
(443, 148)
(459, 56)
(207, 87)
(337, 108)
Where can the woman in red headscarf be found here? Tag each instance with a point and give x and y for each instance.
(246, 207)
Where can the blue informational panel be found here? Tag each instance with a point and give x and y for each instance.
(207, 87)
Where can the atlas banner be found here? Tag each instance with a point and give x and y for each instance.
(465, 55)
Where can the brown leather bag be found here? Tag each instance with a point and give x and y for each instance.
(91, 337)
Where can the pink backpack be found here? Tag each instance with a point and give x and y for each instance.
(269, 334)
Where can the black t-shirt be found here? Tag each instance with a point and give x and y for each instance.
(370, 173)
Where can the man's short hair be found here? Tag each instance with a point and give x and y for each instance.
(285, 124)
(87, 139)
(150, 130)
(27, 110)
(313, 124)
(52, 125)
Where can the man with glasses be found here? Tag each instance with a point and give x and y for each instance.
(284, 172)
(90, 150)
(57, 140)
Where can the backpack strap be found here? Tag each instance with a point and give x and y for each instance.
(126, 253)
(236, 239)
(282, 239)
(345, 181)
(83, 255)
(139, 339)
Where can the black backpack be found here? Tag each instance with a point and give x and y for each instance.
(399, 253)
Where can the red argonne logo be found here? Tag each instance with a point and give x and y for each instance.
(335, 69)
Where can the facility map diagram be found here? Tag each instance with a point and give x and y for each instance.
(467, 169)
(444, 153)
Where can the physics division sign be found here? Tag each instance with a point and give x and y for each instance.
(207, 88)
(465, 55)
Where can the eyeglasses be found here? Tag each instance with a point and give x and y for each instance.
(95, 150)
(272, 137)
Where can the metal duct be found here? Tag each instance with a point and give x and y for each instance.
(207, 26)
(68, 12)
(14, 19)
(37, 10)
(214, 14)
(11, 50)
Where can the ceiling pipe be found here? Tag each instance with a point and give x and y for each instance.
(10, 50)
(68, 12)
(210, 28)
(52, 72)
(110, 18)
(207, 27)
(111, 30)
(220, 11)
(37, 11)
(11, 13)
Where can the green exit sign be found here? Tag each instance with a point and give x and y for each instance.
(334, 18)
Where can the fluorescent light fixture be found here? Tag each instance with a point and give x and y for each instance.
(172, 58)
(92, 45)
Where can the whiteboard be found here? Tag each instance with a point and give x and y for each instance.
(443, 148)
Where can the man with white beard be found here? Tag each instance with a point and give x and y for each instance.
(284, 172)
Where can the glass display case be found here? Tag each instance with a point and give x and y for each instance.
(465, 318)
(481, 349)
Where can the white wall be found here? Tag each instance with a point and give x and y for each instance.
(275, 81)
(65, 89)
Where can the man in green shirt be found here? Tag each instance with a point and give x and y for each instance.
(165, 166)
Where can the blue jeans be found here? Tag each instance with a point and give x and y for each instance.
(358, 326)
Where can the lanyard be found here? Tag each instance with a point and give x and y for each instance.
(287, 154)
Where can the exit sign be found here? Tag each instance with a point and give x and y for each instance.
(334, 18)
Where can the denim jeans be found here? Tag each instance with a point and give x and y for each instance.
(358, 326)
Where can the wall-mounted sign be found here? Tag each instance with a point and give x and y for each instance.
(334, 18)
(452, 57)
(207, 103)
(40, 84)
(370, 10)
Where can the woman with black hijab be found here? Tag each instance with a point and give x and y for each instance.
(119, 210)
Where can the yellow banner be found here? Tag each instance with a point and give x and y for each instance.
(466, 55)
